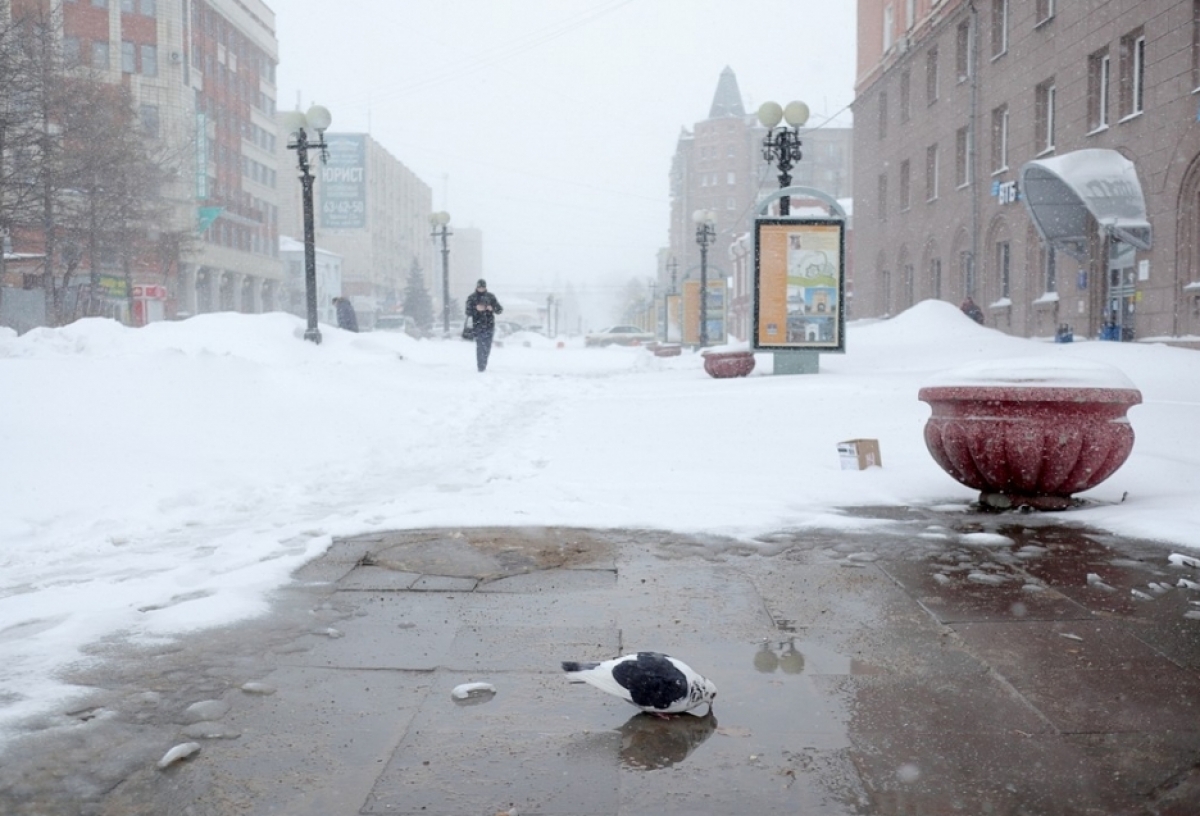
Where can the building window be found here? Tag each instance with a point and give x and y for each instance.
(905, 185)
(1044, 116)
(931, 172)
(906, 94)
(127, 6)
(1133, 66)
(1003, 256)
(889, 25)
(931, 75)
(999, 27)
(100, 55)
(1196, 44)
(1045, 11)
(1051, 270)
(883, 114)
(100, 3)
(962, 157)
(150, 60)
(71, 52)
(883, 196)
(910, 14)
(1000, 139)
(148, 8)
(731, 178)
(128, 57)
(1098, 80)
(962, 53)
(148, 114)
(935, 277)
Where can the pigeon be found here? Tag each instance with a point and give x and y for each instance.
(655, 683)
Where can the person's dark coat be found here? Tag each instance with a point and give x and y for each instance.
(971, 309)
(346, 317)
(484, 319)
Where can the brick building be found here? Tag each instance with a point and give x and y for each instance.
(993, 140)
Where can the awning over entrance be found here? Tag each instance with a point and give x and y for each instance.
(1060, 192)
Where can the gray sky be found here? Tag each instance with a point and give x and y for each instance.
(550, 124)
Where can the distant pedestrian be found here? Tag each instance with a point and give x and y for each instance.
(346, 317)
(482, 308)
(971, 309)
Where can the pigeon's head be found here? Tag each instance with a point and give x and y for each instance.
(708, 690)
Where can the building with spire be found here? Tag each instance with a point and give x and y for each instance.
(718, 165)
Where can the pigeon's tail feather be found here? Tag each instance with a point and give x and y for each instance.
(572, 666)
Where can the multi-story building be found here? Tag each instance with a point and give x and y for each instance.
(960, 106)
(719, 166)
(371, 210)
(202, 76)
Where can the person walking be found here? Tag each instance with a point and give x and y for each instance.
(971, 309)
(482, 308)
(346, 317)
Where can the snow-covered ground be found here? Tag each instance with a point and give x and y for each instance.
(154, 481)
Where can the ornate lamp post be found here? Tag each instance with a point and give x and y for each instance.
(706, 233)
(782, 147)
(439, 220)
(298, 126)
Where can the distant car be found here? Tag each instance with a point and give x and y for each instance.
(398, 323)
(619, 336)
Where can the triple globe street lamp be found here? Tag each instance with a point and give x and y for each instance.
(706, 234)
(440, 220)
(781, 146)
(298, 127)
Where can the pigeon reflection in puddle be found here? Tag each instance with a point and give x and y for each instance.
(649, 743)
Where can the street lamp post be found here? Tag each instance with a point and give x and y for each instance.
(298, 125)
(706, 233)
(439, 220)
(673, 265)
(782, 147)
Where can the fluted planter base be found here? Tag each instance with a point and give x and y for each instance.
(1029, 447)
(728, 363)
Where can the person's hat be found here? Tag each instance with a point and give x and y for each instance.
(481, 283)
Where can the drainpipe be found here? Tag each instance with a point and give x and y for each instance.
(973, 67)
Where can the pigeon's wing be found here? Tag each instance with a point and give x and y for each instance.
(652, 679)
(600, 675)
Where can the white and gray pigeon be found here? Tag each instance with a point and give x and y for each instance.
(655, 683)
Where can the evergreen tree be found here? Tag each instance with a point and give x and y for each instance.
(417, 303)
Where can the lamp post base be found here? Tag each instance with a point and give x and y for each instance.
(313, 335)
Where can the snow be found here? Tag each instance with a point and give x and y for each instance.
(161, 480)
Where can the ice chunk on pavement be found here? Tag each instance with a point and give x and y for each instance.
(469, 690)
(1180, 560)
(180, 751)
(986, 578)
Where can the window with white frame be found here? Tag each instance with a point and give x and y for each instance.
(931, 172)
(128, 57)
(1133, 69)
(883, 196)
(962, 52)
(931, 75)
(906, 94)
(883, 114)
(1099, 67)
(905, 185)
(999, 27)
(1000, 139)
(889, 26)
(1045, 11)
(1003, 268)
(1050, 263)
(962, 157)
(1044, 116)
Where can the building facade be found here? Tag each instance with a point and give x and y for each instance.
(718, 165)
(962, 105)
(201, 74)
(372, 211)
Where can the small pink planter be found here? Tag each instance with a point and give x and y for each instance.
(722, 364)
(1029, 446)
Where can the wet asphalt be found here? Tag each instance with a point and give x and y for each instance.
(947, 662)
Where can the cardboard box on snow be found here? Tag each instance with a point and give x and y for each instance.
(859, 454)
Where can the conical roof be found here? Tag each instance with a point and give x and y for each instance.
(727, 101)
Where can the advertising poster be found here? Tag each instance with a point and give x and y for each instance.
(344, 182)
(691, 312)
(799, 280)
(674, 318)
(715, 311)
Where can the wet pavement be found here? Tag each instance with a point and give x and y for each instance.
(948, 662)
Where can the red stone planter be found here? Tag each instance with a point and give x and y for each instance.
(728, 363)
(1029, 446)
